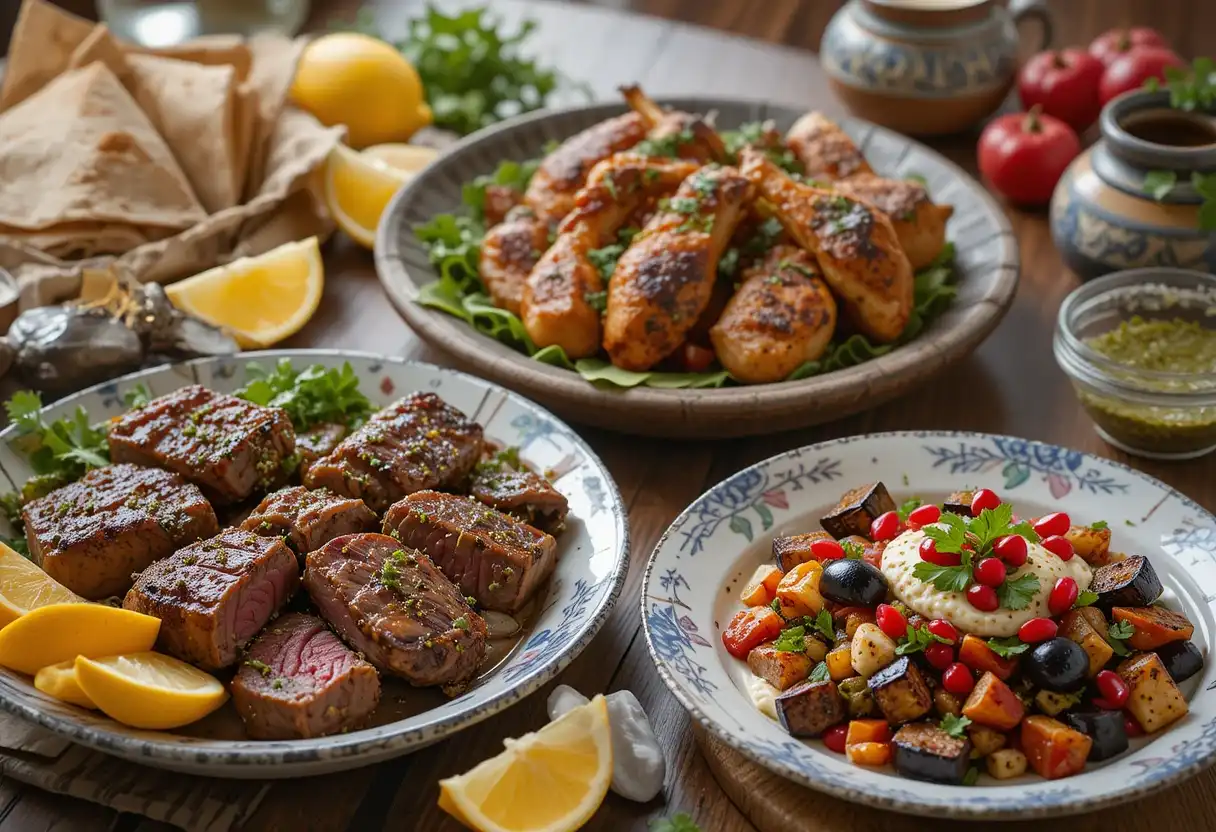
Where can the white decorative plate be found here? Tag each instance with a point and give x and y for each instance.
(593, 557)
(693, 580)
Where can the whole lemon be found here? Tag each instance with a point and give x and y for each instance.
(363, 83)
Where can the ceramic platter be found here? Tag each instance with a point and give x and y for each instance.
(593, 556)
(692, 584)
(987, 266)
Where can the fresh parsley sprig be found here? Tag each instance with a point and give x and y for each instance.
(1085, 598)
(791, 640)
(955, 726)
(916, 640)
(314, 396)
(820, 673)
(1118, 633)
(1017, 593)
(1190, 89)
(60, 451)
(1006, 647)
(822, 623)
(852, 550)
(972, 539)
(908, 506)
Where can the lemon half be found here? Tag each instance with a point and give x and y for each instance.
(149, 690)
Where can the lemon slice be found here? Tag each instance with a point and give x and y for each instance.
(149, 690)
(406, 158)
(262, 299)
(549, 781)
(59, 632)
(59, 681)
(23, 587)
(357, 190)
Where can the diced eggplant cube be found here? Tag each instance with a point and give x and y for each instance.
(900, 692)
(1105, 728)
(1130, 582)
(790, 551)
(959, 503)
(780, 668)
(924, 751)
(1181, 659)
(857, 509)
(810, 708)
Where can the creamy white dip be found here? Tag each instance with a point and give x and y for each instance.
(763, 696)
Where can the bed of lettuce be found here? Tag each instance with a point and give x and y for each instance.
(453, 243)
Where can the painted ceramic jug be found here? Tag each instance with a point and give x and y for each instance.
(1108, 213)
(926, 67)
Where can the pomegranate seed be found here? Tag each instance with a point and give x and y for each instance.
(928, 551)
(1063, 596)
(942, 628)
(835, 736)
(1037, 629)
(989, 572)
(827, 550)
(1012, 549)
(1051, 525)
(1113, 689)
(891, 621)
(958, 679)
(939, 655)
(885, 526)
(984, 498)
(1058, 546)
(983, 598)
(1130, 726)
(924, 516)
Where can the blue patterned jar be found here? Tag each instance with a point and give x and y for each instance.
(1103, 217)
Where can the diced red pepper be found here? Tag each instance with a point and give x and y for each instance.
(977, 655)
(751, 628)
(1052, 748)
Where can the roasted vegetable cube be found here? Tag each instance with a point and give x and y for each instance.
(924, 751)
(1131, 582)
(1052, 748)
(1006, 764)
(1155, 700)
(867, 730)
(780, 668)
(900, 692)
(855, 541)
(1182, 659)
(977, 655)
(857, 697)
(959, 503)
(985, 740)
(761, 588)
(1105, 728)
(810, 708)
(857, 509)
(1078, 625)
(855, 619)
(994, 704)
(840, 662)
(869, 753)
(872, 650)
(1052, 703)
(945, 702)
(1154, 627)
(751, 628)
(792, 550)
(1092, 545)
(816, 647)
(799, 590)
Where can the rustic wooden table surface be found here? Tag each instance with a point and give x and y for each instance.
(1011, 385)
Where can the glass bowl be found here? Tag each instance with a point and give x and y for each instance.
(1146, 412)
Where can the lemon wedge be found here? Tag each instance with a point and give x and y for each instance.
(149, 690)
(357, 190)
(59, 681)
(23, 587)
(59, 632)
(407, 158)
(550, 781)
(262, 299)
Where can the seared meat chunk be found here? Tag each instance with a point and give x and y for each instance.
(504, 482)
(213, 596)
(309, 519)
(226, 445)
(418, 443)
(395, 607)
(494, 558)
(93, 534)
(317, 442)
(298, 680)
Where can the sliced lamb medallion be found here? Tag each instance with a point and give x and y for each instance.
(317, 442)
(226, 445)
(298, 680)
(93, 534)
(396, 608)
(418, 443)
(213, 596)
(494, 558)
(309, 519)
(505, 483)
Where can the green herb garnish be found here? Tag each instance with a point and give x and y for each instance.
(260, 667)
(59, 452)
(917, 639)
(1118, 633)
(908, 506)
(820, 673)
(1085, 598)
(823, 624)
(311, 397)
(1007, 647)
(955, 726)
(1099, 525)
(1017, 593)
(852, 551)
(791, 640)
(679, 822)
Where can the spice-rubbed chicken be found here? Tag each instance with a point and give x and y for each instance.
(664, 280)
(854, 243)
(824, 149)
(559, 295)
(675, 133)
(919, 223)
(781, 317)
(509, 252)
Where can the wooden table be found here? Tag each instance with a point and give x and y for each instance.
(1011, 385)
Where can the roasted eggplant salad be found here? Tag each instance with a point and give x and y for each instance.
(954, 638)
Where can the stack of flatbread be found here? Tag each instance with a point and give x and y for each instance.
(165, 162)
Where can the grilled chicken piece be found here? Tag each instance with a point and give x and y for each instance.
(309, 519)
(664, 280)
(316, 442)
(91, 535)
(919, 223)
(494, 558)
(395, 607)
(563, 172)
(298, 680)
(505, 483)
(674, 133)
(556, 308)
(498, 202)
(213, 596)
(825, 150)
(509, 251)
(855, 244)
(781, 317)
(419, 442)
(226, 445)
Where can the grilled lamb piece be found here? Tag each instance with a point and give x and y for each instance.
(93, 534)
(494, 558)
(418, 443)
(309, 519)
(506, 484)
(226, 445)
(298, 680)
(213, 596)
(317, 442)
(395, 607)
